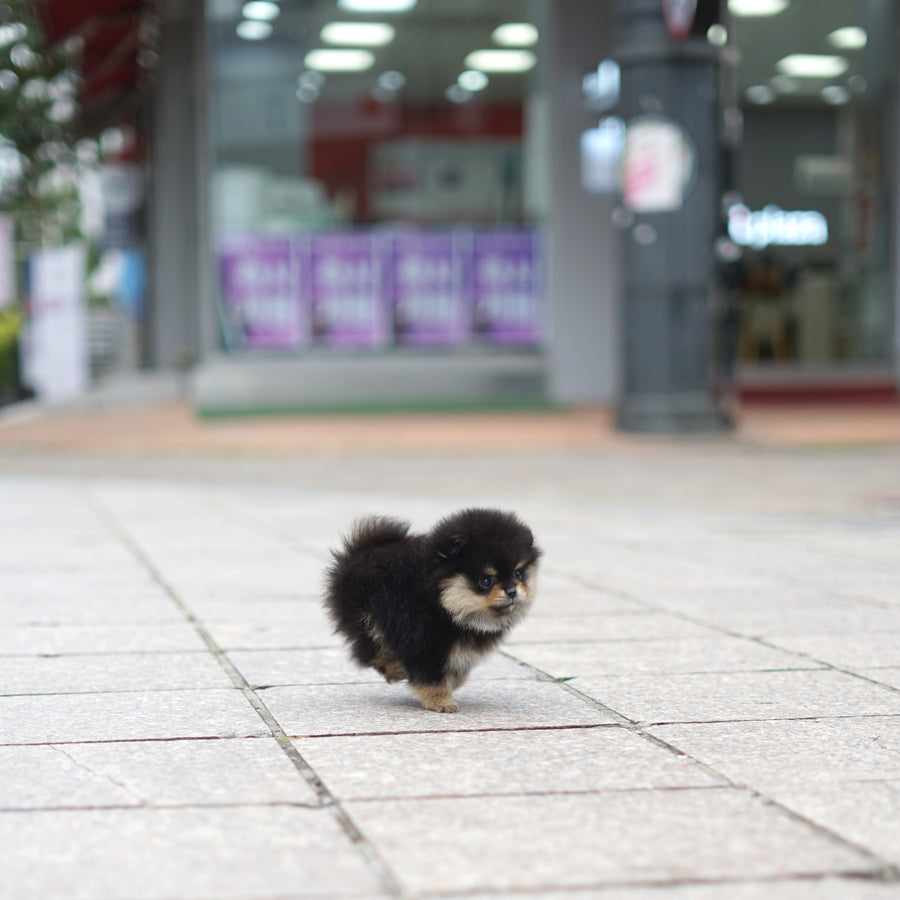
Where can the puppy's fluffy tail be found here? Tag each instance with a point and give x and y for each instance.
(373, 531)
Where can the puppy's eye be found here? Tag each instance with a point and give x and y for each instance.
(486, 581)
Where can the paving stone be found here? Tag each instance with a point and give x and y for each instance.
(725, 696)
(846, 651)
(334, 666)
(638, 657)
(827, 888)
(147, 773)
(109, 672)
(864, 812)
(159, 854)
(801, 752)
(505, 843)
(31, 640)
(387, 708)
(57, 718)
(305, 632)
(612, 627)
(497, 762)
(888, 676)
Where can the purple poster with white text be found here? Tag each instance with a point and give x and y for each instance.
(433, 288)
(349, 285)
(265, 302)
(509, 287)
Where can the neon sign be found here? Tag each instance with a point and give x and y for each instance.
(773, 225)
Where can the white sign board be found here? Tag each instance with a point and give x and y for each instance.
(55, 359)
(658, 165)
(772, 225)
(7, 263)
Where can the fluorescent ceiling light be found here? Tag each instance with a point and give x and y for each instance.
(392, 80)
(501, 60)
(357, 34)
(849, 38)
(756, 7)
(376, 6)
(252, 30)
(835, 94)
(515, 34)
(324, 60)
(761, 94)
(812, 65)
(472, 80)
(264, 10)
(457, 94)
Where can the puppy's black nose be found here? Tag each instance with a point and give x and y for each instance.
(511, 592)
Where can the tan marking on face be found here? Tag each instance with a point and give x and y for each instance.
(490, 570)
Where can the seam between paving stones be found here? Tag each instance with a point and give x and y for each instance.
(886, 870)
(382, 872)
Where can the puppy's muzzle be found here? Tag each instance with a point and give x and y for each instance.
(506, 600)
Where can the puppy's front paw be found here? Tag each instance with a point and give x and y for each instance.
(438, 699)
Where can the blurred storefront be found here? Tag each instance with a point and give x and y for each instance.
(387, 202)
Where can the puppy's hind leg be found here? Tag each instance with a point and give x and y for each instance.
(436, 697)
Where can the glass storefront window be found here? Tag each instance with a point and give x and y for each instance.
(372, 176)
(812, 186)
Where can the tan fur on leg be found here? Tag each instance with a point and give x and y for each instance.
(436, 697)
(390, 666)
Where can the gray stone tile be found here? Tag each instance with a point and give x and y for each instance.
(846, 651)
(151, 773)
(720, 654)
(372, 708)
(827, 888)
(801, 752)
(334, 666)
(612, 627)
(305, 627)
(888, 676)
(159, 854)
(109, 672)
(57, 718)
(497, 762)
(863, 812)
(725, 696)
(589, 839)
(119, 638)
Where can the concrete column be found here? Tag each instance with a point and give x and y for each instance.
(667, 257)
(173, 326)
(582, 359)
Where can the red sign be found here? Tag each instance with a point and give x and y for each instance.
(679, 17)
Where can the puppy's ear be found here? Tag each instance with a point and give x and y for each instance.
(452, 547)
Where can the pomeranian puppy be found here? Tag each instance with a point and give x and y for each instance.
(425, 608)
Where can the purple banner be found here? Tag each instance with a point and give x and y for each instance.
(264, 296)
(509, 287)
(350, 296)
(433, 288)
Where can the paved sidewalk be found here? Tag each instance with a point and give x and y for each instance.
(704, 703)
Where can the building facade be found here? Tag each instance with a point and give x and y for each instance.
(400, 204)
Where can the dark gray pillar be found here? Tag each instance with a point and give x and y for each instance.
(667, 257)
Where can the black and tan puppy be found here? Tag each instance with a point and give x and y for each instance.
(426, 607)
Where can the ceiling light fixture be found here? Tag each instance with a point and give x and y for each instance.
(391, 80)
(812, 65)
(263, 10)
(357, 34)
(750, 8)
(835, 95)
(849, 38)
(508, 61)
(760, 94)
(253, 30)
(457, 94)
(328, 60)
(376, 6)
(472, 80)
(515, 34)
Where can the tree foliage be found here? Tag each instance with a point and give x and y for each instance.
(38, 112)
